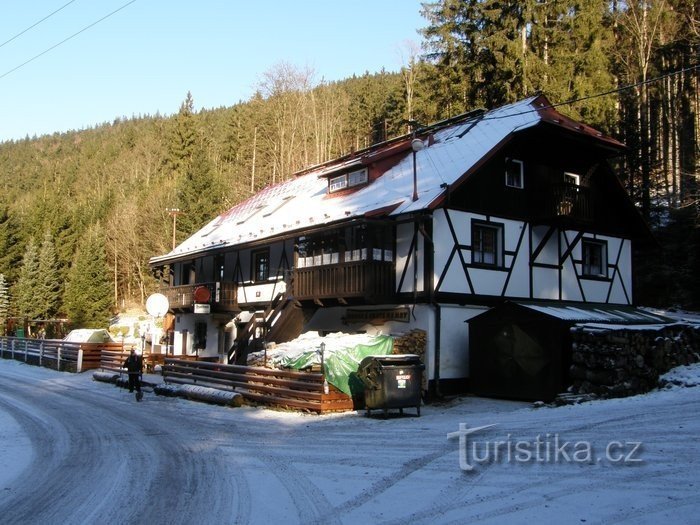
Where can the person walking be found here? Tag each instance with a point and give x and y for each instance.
(134, 367)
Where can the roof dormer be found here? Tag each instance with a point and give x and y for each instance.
(347, 180)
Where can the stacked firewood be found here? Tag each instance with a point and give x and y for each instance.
(629, 361)
(413, 342)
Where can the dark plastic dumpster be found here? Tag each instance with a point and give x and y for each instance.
(391, 381)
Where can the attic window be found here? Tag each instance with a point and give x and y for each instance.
(515, 173)
(213, 228)
(256, 210)
(285, 200)
(572, 179)
(348, 180)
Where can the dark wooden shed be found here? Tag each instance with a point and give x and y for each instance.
(522, 350)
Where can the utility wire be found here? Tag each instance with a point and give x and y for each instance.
(37, 23)
(66, 39)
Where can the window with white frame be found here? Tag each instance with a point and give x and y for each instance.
(487, 244)
(515, 173)
(572, 178)
(594, 255)
(348, 180)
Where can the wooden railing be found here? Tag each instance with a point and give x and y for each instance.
(566, 201)
(225, 298)
(112, 360)
(285, 388)
(371, 280)
(56, 353)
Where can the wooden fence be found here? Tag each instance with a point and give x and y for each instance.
(283, 388)
(56, 353)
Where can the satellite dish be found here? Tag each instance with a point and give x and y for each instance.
(157, 305)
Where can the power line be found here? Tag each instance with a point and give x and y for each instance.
(66, 39)
(36, 24)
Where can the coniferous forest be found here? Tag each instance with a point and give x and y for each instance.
(81, 212)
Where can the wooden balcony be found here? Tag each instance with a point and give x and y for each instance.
(568, 202)
(223, 296)
(372, 281)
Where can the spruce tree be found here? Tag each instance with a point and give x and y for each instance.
(48, 290)
(4, 304)
(200, 194)
(29, 281)
(10, 247)
(88, 298)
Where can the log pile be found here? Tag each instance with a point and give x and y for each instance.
(629, 361)
(413, 342)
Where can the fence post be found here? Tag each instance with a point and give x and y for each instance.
(58, 358)
(80, 360)
(12, 349)
(26, 349)
(41, 352)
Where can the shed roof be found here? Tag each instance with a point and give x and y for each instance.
(453, 149)
(596, 313)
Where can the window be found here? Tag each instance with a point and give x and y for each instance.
(487, 244)
(348, 180)
(356, 178)
(338, 183)
(200, 336)
(261, 265)
(515, 173)
(572, 179)
(595, 257)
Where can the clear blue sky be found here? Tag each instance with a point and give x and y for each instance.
(144, 58)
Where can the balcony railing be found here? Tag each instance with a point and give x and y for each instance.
(370, 280)
(223, 296)
(568, 201)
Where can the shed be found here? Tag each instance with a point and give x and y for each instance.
(521, 350)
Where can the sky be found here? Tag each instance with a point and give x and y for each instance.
(141, 57)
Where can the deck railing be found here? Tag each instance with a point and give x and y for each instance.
(223, 295)
(372, 280)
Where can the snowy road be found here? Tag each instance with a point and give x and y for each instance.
(77, 451)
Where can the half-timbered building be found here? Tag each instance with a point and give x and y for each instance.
(423, 231)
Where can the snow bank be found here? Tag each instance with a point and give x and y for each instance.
(309, 341)
(682, 376)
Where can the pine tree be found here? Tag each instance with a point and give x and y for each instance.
(183, 138)
(10, 247)
(4, 304)
(88, 297)
(200, 194)
(28, 283)
(48, 290)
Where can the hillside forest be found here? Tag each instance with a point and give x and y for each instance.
(81, 212)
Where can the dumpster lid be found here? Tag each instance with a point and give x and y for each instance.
(391, 360)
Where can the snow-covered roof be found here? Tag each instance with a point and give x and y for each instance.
(303, 202)
(583, 313)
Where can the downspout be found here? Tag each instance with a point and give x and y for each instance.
(438, 323)
(429, 271)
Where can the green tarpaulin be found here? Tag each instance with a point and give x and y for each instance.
(340, 366)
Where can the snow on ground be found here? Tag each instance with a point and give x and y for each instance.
(87, 448)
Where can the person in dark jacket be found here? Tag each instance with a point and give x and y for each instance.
(134, 366)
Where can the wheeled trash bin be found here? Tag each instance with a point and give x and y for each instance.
(391, 381)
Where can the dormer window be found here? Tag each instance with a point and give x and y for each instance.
(572, 179)
(515, 173)
(348, 180)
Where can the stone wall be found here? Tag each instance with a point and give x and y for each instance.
(617, 362)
